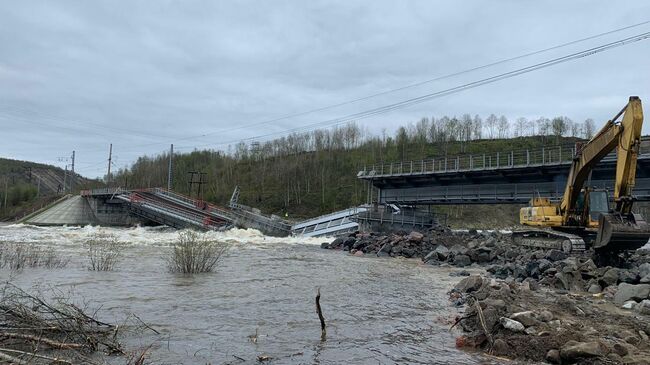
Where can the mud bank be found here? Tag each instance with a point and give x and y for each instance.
(538, 305)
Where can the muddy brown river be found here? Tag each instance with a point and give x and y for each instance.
(378, 311)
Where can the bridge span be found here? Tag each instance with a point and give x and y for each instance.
(157, 206)
(511, 177)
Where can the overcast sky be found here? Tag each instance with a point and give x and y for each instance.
(78, 75)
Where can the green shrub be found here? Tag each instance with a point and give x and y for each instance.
(193, 253)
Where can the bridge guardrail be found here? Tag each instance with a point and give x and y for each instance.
(550, 155)
(162, 207)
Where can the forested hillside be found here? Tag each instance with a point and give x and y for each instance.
(313, 173)
(24, 185)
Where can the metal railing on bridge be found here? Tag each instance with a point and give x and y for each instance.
(548, 155)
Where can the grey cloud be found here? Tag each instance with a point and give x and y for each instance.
(151, 72)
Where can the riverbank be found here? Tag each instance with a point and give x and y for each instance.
(534, 305)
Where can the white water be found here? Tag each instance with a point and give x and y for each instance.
(149, 236)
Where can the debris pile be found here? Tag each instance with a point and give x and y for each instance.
(518, 321)
(35, 331)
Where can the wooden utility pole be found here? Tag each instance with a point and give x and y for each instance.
(72, 176)
(110, 158)
(170, 169)
(200, 183)
(65, 179)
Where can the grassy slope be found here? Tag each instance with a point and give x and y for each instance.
(22, 192)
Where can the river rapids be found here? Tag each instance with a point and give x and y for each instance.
(259, 301)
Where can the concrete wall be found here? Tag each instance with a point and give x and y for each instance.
(81, 211)
(74, 211)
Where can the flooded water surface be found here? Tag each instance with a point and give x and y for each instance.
(260, 300)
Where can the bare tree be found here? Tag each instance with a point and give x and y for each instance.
(491, 124)
(433, 130)
(503, 126)
(543, 126)
(520, 126)
(422, 129)
(559, 126)
(532, 131)
(588, 128)
(466, 122)
(478, 127)
(575, 128)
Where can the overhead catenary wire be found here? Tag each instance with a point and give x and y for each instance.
(444, 92)
(420, 83)
(148, 134)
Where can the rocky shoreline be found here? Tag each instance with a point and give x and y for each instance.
(537, 305)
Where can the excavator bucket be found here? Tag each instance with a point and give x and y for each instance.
(619, 232)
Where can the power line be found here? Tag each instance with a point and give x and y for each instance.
(453, 90)
(439, 78)
(328, 107)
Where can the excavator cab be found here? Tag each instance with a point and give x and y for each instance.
(598, 204)
(590, 204)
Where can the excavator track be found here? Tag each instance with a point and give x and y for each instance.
(549, 239)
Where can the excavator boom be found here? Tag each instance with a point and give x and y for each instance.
(621, 229)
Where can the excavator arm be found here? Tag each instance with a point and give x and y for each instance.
(625, 135)
(619, 229)
(627, 154)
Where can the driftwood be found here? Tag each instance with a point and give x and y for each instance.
(37, 331)
(323, 329)
(481, 319)
(43, 340)
(53, 360)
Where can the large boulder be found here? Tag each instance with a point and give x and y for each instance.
(415, 236)
(526, 318)
(569, 281)
(643, 307)
(469, 284)
(337, 243)
(628, 276)
(544, 265)
(442, 252)
(458, 250)
(610, 277)
(644, 269)
(431, 256)
(553, 356)
(349, 242)
(556, 255)
(512, 325)
(627, 292)
(572, 351)
(462, 260)
(645, 279)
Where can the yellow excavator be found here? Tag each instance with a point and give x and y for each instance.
(584, 218)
